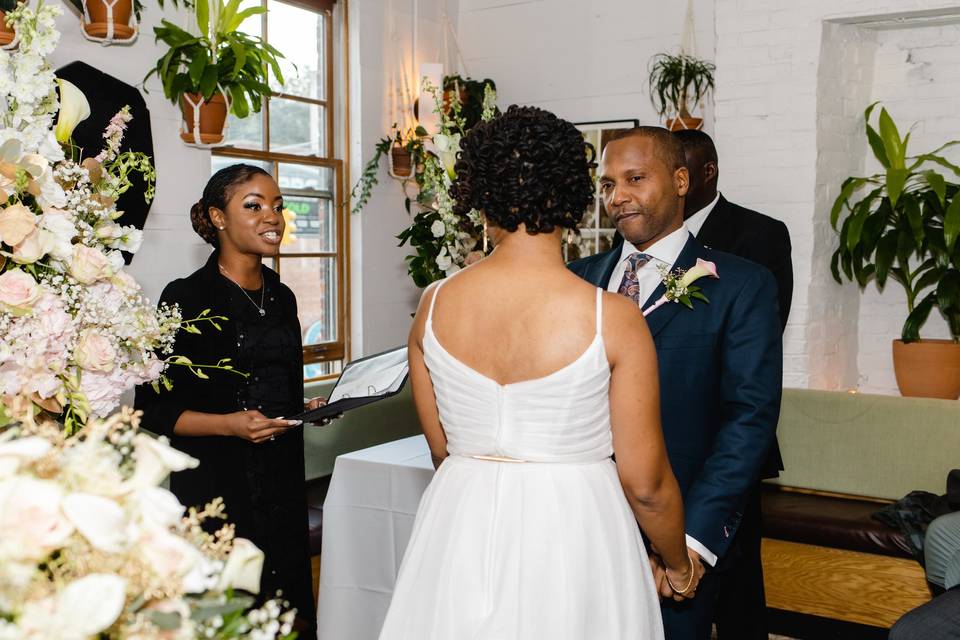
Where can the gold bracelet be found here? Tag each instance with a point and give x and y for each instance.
(682, 592)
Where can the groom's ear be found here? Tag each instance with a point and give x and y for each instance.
(681, 180)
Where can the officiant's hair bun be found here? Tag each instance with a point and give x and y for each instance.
(217, 194)
(525, 166)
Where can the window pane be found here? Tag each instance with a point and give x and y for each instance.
(297, 127)
(254, 24)
(246, 133)
(314, 225)
(299, 34)
(314, 282)
(319, 369)
(305, 177)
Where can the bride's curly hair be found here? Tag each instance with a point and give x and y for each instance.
(525, 166)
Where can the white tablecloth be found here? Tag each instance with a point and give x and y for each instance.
(367, 519)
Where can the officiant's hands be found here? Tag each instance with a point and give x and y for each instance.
(316, 403)
(256, 427)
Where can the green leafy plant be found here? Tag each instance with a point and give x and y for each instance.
(677, 80)
(412, 141)
(221, 57)
(904, 228)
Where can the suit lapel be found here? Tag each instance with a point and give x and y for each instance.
(658, 319)
(600, 271)
(714, 230)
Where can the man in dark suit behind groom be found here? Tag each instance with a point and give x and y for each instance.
(722, 225)
(720, 363)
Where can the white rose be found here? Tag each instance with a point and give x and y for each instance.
(243, 568)
(444, 261)
(155, 461)
(16, 223)
(100, 520)
(125, 282)
(131, 240)
(169, 555)
(18, 291)
(438, 229)
(32, 524)
(88, 265)
(95, 351)
(62, 231)
(34, 246)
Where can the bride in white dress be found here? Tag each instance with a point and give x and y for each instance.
(527, 380)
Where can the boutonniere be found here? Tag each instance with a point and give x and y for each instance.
(679, 284)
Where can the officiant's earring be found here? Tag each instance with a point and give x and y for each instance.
(486, 241)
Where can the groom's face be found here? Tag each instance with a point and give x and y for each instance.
(641, 191)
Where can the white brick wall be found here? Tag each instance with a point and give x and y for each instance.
(786, 150)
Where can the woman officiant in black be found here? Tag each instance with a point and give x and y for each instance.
(249, 454)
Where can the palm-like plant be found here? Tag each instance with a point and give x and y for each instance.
(678, 80)
(222, 57)
(905, 228)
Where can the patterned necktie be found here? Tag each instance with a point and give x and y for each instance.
(630, 285)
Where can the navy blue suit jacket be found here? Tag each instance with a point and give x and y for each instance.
(721, 372)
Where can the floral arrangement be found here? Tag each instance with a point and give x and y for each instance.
(75, 329)
(679, 284)
(92, 546)
(443, 242)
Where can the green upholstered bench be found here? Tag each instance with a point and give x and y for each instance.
(383, 421)
(847, 454)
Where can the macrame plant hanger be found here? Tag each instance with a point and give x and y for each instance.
(401, 108)
(197, 141)
(688, 47)
(109, 39)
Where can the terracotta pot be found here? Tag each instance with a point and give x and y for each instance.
(684, 122)
(927, 368)
(98, 26)
(402, 162)
(213, 116)
(7, 34)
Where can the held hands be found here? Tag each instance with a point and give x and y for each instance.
(256, 427)
(678, 584)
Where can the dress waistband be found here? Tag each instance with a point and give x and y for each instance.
(511, 460)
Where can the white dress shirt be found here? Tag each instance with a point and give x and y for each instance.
(695, 222)
(664, 251)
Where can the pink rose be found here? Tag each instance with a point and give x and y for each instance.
(18, 291)
(473, 256)
(88, 265)
(31, 522)
(16, 223)
(33, 247)
(95, 352)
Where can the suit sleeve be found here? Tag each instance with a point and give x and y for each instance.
(781, 265)
(161, 409)
(751, 375)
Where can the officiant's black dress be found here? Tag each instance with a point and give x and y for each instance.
(262, 485)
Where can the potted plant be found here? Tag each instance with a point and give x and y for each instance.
(221, 70)
(7, 33)
(905, 228)
(675, 82)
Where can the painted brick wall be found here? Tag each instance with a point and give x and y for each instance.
(790, 84)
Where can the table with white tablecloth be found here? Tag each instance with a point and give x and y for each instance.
(367, 519)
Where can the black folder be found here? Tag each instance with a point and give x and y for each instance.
(363, 382)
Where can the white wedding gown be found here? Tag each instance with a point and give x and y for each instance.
(543, 549)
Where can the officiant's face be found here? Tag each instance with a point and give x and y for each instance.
(253, 221)
(641, 192)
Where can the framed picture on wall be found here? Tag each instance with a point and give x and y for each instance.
(596, 230)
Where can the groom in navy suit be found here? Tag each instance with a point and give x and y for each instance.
(720, 363)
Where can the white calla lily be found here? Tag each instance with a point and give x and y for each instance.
(83, 609)
(156, 460)
(243, 568)
(74, 109)
(100, 520)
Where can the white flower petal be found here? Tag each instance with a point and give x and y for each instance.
(101, 521)
(91, 604)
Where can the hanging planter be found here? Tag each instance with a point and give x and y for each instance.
(204, 122)
(109, 21)
(677, 82)
(401, 162)
(682, 122)
(8, 35)
(222, 71)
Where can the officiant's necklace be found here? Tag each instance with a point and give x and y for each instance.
(263, 289)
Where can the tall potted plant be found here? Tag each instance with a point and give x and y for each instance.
(676, 82)
(220, 70)
(905, 228)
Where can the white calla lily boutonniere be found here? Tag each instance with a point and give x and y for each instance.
(680, 287)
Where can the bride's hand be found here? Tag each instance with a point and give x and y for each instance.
(687, 580)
